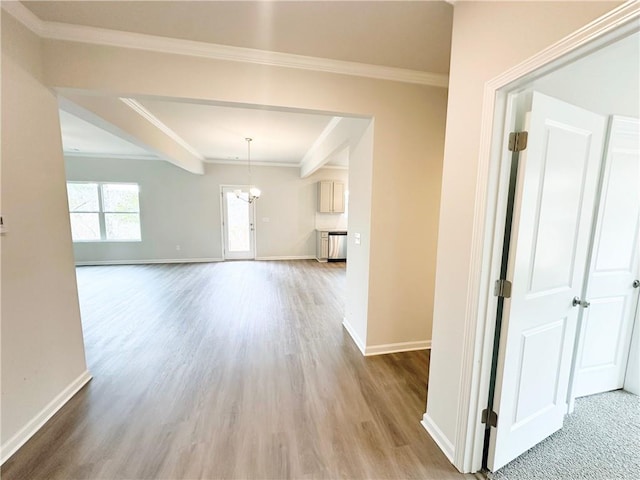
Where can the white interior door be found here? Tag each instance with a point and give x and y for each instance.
(238, 220)
(606, 326)
(558, 179)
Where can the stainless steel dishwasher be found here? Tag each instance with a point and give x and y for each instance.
(337, 246)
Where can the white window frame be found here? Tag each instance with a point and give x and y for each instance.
(101, 212)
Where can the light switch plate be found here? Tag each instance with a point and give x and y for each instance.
(356, 237)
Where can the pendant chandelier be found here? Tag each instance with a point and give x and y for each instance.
(254, 192)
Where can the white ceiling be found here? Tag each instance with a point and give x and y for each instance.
(80, 137)
(219, 132)
(216, 133)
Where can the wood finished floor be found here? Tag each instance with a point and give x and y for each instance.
(232, 370)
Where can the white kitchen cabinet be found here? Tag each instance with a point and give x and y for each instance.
(331, 197)
(322, 246)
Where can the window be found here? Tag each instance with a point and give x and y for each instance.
(104, 211)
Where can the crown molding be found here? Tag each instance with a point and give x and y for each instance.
(335, 167)
(110, 156)
(242, 163)
(113, 38)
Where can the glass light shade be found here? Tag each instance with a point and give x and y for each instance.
(254, 192)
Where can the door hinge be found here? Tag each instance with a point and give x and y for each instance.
(502, 288)
(518, 141)
(489, 418)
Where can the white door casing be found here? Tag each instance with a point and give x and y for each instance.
(606, 326)
(558, 180)
(238, 224)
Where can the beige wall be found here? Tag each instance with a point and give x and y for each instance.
(488, 39)
(406, 169)
(181, 208)
(357, 301)
(42, 347)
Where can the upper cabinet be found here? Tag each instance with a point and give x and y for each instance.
(330, 197)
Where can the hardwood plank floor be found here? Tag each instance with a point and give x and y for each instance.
(232, 370)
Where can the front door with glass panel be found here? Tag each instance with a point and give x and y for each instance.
(238, 224)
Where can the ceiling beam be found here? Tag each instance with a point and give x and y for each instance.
(128, 120)
(340, 134)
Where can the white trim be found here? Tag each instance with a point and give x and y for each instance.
(24, 16)
(12, 445)
(438, 436)
(111, 156)
(147, 262)
(240, 163)
(287, 257)
(243, 163)
(153, 43)
(354, 336)
(335, 167)
(368, 351)
(474, 378)
(397, 347)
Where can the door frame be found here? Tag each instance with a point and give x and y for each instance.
(498, 118)
(253, 232)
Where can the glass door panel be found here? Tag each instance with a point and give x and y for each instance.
(238, 223)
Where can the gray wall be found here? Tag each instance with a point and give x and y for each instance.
(180, 208)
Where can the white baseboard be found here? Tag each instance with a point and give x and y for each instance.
(289, 257)
(440, 438)
(12, 445)
(145, 262)
(386, 348)
(183, 260)
(397, 347)
(356, 339)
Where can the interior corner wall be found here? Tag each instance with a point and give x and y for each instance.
(488, 39)
(181, 209)
(43, 361)
(406, 156)
(357, 291)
